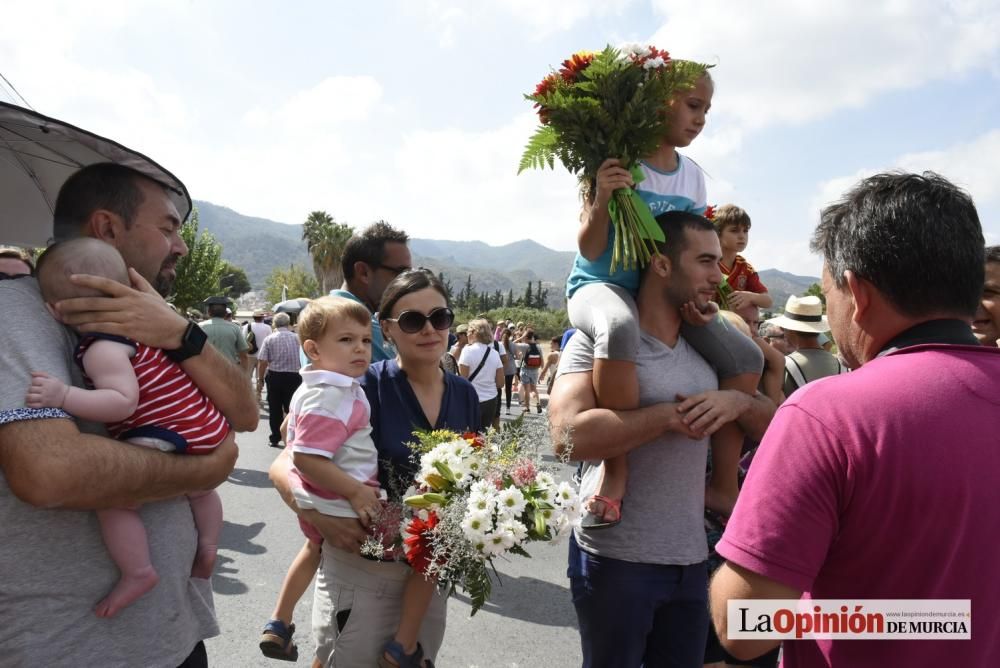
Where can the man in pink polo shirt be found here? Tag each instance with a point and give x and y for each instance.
(882, 483)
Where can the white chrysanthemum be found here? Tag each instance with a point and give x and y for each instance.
(477, 522)
(565, 493)
(459, 448)
(479, 544)
(516, 529)
(484, 499)
(544, 479)
(504, 534)
(482, 487)
(493, 544)
(634, 49)
(510, 501)
(474, 464)
(571, 508)
(654, 63)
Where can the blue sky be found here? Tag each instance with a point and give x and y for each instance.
(413, 111)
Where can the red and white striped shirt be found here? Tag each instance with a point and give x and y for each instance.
(169, 403)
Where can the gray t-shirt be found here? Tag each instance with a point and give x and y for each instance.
(664, 505)
(55, 566)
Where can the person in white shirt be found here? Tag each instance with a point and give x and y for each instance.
(482, 365)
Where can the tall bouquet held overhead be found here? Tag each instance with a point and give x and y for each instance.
(611, 104)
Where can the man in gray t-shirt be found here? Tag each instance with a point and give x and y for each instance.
(640, 587)
(55, 472)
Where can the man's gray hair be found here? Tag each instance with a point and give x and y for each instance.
(282, 320)
(915, 237)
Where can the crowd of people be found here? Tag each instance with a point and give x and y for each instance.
(873, 480)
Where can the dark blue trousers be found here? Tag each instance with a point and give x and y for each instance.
(633, 614)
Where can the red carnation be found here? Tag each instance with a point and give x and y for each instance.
(709, 212)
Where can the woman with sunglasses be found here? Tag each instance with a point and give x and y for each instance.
(362, 599)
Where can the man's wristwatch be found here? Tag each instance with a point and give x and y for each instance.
(192, 343)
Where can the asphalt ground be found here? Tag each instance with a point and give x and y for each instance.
(529, 621)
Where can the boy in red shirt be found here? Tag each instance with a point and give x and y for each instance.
(742, 286)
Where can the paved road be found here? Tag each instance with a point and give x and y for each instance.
(528, 622)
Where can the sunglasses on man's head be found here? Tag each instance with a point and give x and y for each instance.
(412, 322)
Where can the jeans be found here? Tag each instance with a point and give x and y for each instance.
(197, 659)
(634, 614)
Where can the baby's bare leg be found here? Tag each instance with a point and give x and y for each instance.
(126, 540)
(207, 510)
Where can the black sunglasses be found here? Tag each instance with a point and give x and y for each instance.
(396, 271)
(412, 322)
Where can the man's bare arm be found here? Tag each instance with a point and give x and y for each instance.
(586, 432)
(43, 460)
(140, 314)
(708, 411)
(735, 582)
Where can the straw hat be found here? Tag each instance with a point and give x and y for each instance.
(803, 314)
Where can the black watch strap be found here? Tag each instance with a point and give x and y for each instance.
(192, 343)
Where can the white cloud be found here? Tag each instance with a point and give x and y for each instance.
(973, 165)
(783, 61)
(458, 184)
(327, 105)
(542, 18)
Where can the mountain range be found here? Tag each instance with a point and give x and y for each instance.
(259, 245)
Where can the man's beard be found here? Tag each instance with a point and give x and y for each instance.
(163, 285)
(165, 279)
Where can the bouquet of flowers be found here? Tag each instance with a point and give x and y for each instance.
(611, 104)
(478, 498)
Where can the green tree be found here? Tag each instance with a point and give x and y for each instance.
(541, 296)
(510, 298)
(298, 281)
(326, 238)
(199, 271)
(816, 291)
(233, 282)
(528, 302)
(447, 285)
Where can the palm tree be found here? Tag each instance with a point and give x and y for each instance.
(325, 238)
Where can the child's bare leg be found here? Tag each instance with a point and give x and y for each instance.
(616, 386)
(417, 595)
(126, 540)
(297, 580)
(207, 510)
(727, 444)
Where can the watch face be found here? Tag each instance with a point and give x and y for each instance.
(194, 338)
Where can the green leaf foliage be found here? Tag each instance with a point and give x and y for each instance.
(478, 586)
(199, 271)
(300, 283)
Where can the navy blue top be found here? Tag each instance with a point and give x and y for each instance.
(396, 413)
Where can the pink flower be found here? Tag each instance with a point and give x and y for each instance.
(524, 473)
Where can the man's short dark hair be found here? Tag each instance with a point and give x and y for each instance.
(674, 225)
(217, 310)
(105, 185)
(915, 237)
(369, 246)
(993, 254)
